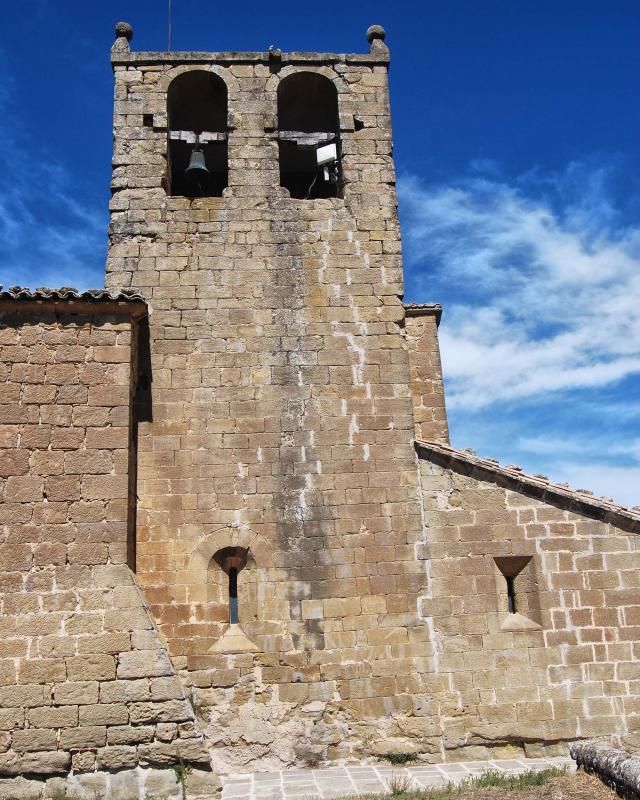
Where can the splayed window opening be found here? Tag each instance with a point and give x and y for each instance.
(511, 594)
(233, 596)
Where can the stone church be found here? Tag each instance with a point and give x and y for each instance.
(234, 534)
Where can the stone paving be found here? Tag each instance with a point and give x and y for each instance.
(361, 779)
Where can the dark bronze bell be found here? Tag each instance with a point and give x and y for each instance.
(197, 170)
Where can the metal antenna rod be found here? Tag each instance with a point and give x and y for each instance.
(169, 44)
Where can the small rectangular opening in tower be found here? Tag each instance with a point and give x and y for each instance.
(233, 596)
(511, 594)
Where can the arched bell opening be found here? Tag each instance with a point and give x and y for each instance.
(308, 136)
(197, 147)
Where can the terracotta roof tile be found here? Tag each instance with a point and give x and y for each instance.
(513, 477)
(71, 293)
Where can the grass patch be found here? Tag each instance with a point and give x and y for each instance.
(514, 782)
(399, 785)
(398, 758)
(182, 771)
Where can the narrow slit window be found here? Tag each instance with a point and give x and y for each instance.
(197, 148)
(232, 560)
(233, 596)
(308, 136)
(511, 594)
(517, 588)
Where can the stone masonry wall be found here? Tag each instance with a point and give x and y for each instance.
(565, 665)
(85, 680)
(281, 418)
(427, 388)
(264, 416)
(285, 385)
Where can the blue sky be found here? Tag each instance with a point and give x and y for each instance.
(516, 126)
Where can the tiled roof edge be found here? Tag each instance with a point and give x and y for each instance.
(71, 293)
(539, 486)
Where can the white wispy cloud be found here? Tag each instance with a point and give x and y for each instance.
(553, 299)
(608, 480)
(47, 236)
(592, 446)
(588, 460)
(540, 277)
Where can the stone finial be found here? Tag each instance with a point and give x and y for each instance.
(375, 32)
(124, 29)
(375, 36)
(124, 32)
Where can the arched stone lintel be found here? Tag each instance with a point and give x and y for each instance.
(168, 76)
(258, 547)
(338, 81)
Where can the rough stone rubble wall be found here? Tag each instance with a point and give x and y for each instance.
(282, 422)
(85, 680)
(505, 677)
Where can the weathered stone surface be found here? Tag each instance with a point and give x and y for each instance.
(21, 789)
(67, 610)
(47, 763)
(202, 782)
(76, 692)
(83, 762)
(260, 415)
(427, 390)
(53, 717)
(191, 750)
(282, 421)
(59, 688)
(92, 736)
(162, 783)
(131, 734)
(104, 714)
(168, 711)
(117, 757)
(144, 663)
(33, 739)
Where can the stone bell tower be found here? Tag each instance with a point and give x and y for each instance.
(278, 526)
